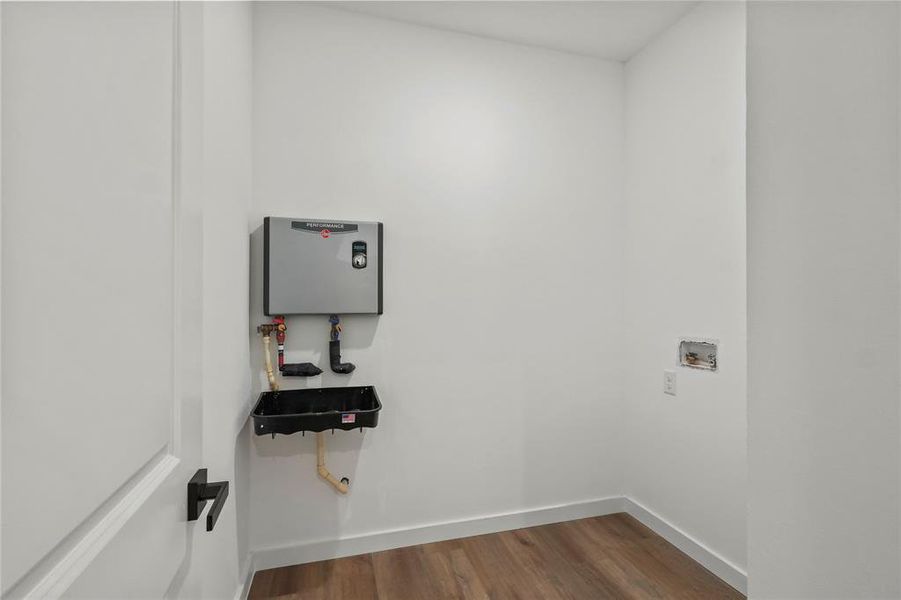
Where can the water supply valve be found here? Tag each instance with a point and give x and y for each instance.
(280, 327)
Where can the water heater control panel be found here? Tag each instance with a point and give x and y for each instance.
(318, 266)
(358, 259)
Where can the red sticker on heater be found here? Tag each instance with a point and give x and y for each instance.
(348, 418)
(325, 233)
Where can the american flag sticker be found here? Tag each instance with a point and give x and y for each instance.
(348, 418)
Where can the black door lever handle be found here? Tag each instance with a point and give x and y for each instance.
(199, 491)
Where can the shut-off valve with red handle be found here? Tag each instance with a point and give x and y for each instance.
(291, 369)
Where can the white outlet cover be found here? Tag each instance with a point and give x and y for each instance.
(669, 382)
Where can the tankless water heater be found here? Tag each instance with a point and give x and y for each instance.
(316, 266)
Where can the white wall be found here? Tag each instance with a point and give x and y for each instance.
(823, 300)
(496, 169)
(685, 275)
(1, 279)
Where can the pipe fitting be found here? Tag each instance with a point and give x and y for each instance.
(340, 486)
(334, 354)
(270, 374)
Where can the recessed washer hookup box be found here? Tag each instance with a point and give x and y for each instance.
(319, 266)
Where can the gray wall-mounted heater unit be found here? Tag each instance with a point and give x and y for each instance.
(316, 266)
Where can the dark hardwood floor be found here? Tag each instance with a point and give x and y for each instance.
(604, 557)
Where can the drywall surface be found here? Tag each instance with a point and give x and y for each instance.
(823, 300)
(496, 170)
(685, 275)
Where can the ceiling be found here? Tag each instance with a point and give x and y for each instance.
(611, 30)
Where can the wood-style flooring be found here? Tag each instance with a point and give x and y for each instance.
(604, 557)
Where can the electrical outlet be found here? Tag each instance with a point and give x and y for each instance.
(669, 382)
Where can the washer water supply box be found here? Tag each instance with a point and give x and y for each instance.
(290, 411)
(698, 354)
(316, 266)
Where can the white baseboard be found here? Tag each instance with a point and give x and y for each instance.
(306, 552)
(700, 553)
(295, 554)
(247, 571)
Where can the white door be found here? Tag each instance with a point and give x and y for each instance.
(101, 299)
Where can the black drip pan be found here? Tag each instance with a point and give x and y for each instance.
(290, 411)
